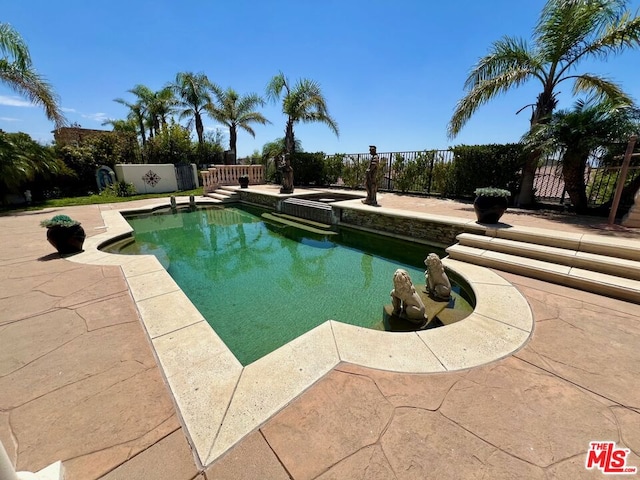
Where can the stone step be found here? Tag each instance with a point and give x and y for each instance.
(589, 280)
(322, 226)
(600, 245)
(223, 197)
(621, 267)
(297, 224)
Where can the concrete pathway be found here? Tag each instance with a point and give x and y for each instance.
(79, 383)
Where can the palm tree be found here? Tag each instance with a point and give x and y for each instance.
(17, 72)
(567, 32)
(302, 102)
(137, 114)
(21, 159)
(192, 92)
(577, 133)
(236, 111)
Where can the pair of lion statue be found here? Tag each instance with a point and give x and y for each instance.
(406, 301)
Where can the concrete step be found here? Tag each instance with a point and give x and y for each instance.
(322, 226)
(583, 279)
(611, 265)
(224, 196)
(297, 223)
(597, 244)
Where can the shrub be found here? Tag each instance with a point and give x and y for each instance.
(308, 168)
(475, 166)
(59, 221)
(119, 189)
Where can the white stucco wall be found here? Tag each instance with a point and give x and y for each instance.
(149, 178)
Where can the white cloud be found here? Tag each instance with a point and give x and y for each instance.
(68, 110)
(14, 102)
(97, 117)
(9, 119)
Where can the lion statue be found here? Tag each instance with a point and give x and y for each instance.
(438, 284)
(406, 302)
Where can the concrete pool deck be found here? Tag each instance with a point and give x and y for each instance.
(74, 357)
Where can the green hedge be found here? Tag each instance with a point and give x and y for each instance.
(476, 166)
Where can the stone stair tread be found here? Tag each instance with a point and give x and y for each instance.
(297, 224)
(221, 197)
(293, 218)
(601, 283)
(591, 243)
(622, 267)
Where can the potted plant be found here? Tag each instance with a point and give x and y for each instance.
(490, 204)
(64, 233)
(244, 181)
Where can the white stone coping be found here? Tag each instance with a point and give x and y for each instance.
(220, 401)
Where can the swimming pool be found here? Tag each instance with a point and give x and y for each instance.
(260, 283)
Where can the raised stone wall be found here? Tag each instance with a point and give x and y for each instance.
(268, 201)
(418, 229)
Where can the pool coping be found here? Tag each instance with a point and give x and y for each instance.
(220, 401)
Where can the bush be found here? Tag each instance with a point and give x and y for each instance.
(308, 168)
(476, 166)
(353, 172)
(119, 189)
(332, 169)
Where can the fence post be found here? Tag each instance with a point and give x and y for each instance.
(622, 178)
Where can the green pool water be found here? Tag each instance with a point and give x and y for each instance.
(260, 284)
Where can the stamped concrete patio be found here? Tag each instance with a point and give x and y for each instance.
(79, 382)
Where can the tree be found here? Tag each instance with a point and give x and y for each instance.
(193, 96)
(578, 133)
(302, 102)
(21, 159)
(567, 32)
(136, 114)
(17, 72)
(236, 111)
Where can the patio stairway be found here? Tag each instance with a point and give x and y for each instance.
(224, 195)
(603, 265)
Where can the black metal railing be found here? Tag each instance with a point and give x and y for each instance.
(425, 172)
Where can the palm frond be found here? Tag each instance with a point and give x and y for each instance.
(28, 83)
(481, 94)
(13, 46)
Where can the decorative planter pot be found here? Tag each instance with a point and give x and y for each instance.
(66, 239)
(244, 182)
(489, 209)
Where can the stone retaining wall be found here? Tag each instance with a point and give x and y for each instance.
(268, 201)
(425, 230)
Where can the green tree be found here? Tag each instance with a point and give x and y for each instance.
(17, 72)
(567, 32)
(235, 112)
(302, 102)
(577, 133)
(170, 145)
(21, 159)
(193, 97)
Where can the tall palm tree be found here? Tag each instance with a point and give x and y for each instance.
(192, 92)
(17, 72)
(138, 114)
(236, 111)
(592, 124)
(302, 102)
(567, 32)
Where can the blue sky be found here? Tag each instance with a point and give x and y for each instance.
(391, 71)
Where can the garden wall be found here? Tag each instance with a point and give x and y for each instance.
(151, 178)
(413, 227)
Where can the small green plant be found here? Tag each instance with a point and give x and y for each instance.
(492, 192)
(119, 189)
(59, 221)
(243, 177)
